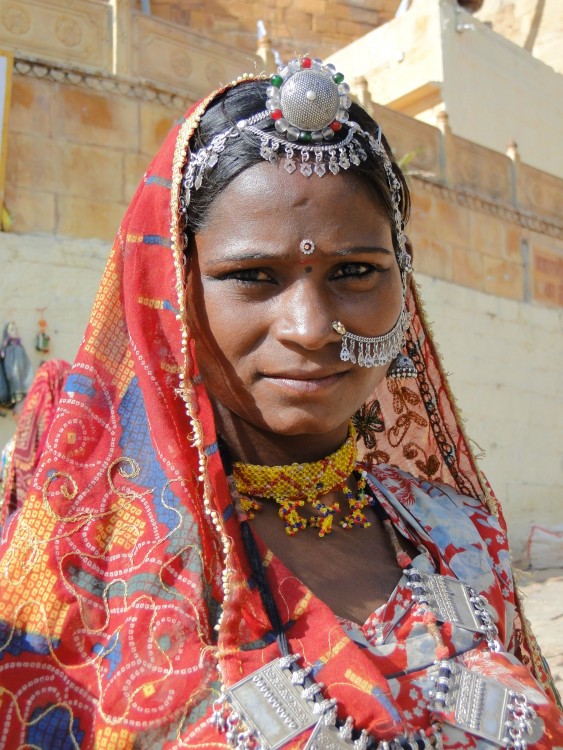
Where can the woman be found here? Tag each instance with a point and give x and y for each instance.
(201, 548)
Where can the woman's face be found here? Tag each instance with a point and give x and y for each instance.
(261, 310)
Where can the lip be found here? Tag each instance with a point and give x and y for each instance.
(305, 382)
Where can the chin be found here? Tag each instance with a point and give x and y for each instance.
(292, 422)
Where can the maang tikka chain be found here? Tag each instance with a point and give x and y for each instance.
(309, 103)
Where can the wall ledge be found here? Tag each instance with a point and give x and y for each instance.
(473, 200)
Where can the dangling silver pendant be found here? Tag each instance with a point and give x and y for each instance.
(278, 702)
(327, 736)
(269, 707)
(401, 367)
(484, 707)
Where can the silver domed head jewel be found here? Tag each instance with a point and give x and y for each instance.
(308, 100)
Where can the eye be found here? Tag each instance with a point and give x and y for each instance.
(356, 270)
(248, 276)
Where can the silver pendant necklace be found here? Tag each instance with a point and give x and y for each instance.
(280, 701)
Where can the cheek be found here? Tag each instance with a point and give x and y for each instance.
(376, 313)
(231, 326)
(226, 335)
(368, 379)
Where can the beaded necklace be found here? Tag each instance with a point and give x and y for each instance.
(293, 485)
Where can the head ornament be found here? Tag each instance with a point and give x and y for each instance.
(308, 100)
(308, 103)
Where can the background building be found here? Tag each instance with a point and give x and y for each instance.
(95, 86)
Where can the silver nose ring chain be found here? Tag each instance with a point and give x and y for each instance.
(369, 351)
(374, 351)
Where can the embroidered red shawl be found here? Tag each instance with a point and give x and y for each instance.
(122, 580)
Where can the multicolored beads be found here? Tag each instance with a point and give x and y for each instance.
(293, 485)
(357, 517)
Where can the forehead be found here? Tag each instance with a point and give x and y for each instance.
(266, 201)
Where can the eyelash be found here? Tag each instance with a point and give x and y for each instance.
(369, 268)
(361, 270)
(238, 276)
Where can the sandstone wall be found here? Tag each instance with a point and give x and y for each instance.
(76, 155)
(316, 26)
(94, 94)
(535, 25)
(324, 26)
(56, 273)
(505, 360)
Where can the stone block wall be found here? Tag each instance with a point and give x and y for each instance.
(323, 26)
(57, 275)
(474, 243)
(316, 26)
(504, 359)
(75, 156)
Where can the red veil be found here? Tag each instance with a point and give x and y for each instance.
(126, 555)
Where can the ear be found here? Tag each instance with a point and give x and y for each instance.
(409, 248)
(190, 250)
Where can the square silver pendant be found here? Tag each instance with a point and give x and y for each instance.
(270, 704)
(448, 599)
(482, 706)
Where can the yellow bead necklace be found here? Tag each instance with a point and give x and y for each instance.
(293, 485)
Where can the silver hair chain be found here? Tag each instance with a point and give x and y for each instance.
(315, 159)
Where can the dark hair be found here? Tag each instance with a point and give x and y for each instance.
(240, 153)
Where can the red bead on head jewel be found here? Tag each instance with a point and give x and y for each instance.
(306, 62)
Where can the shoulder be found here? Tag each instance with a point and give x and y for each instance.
(432, 502)
(467, 534)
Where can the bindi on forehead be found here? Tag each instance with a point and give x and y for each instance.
(307, 250)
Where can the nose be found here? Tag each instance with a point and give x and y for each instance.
(304, 316)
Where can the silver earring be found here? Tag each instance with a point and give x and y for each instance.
(401, 367)
(373, 351)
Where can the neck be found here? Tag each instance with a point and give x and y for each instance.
(254, 445)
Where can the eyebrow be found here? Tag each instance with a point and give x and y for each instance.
(343, 253)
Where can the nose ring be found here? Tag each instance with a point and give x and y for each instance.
(372, 351)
